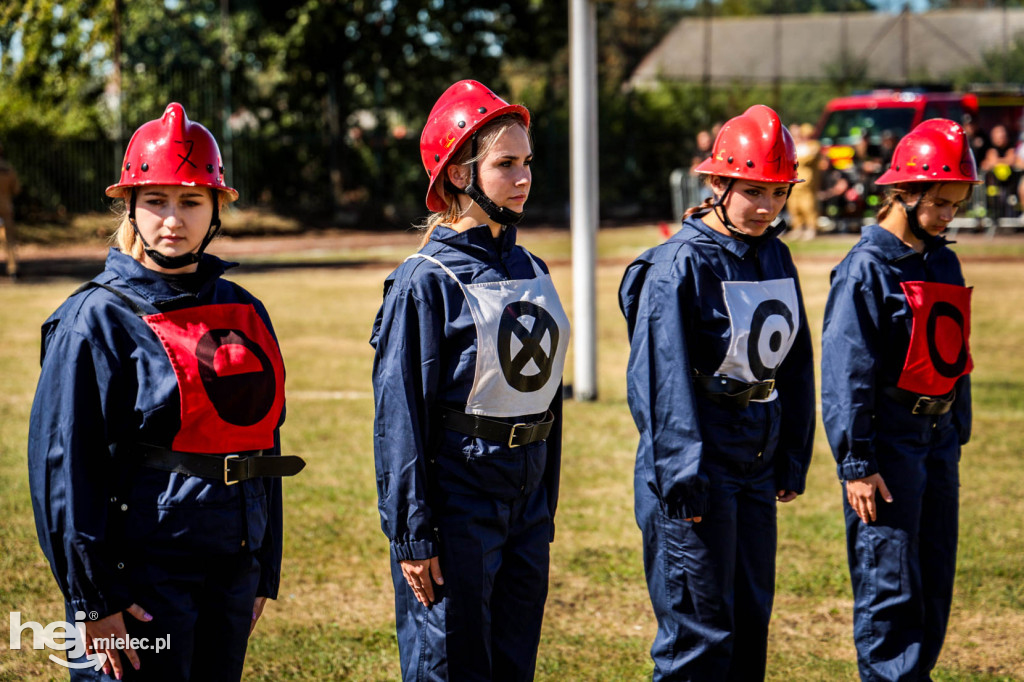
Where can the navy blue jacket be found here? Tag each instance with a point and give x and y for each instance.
(106, 384)
(864, 346)
(425, 342)
(672, 297)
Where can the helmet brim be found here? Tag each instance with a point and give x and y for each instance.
(120, 191)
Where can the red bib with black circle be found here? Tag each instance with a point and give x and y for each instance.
(939, 351)
(230, 376)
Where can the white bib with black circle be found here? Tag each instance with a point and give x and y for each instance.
(763, 321)
(522, 337)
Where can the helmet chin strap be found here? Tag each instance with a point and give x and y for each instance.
(185, 259)
(912, 220)
(723, 216)
(735, 231)
(498, 214)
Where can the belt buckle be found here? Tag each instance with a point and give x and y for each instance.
(512, 435)
(226, 480)
(770, 383)
(922, 402)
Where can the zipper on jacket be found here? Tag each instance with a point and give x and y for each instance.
(504, 266)
(757, 263)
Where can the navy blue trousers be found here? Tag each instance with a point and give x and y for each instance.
(486, 620)
(712, 583)
(204, 604)
(902, 564)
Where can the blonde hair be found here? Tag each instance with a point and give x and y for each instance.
(487, 136)
(124, 237)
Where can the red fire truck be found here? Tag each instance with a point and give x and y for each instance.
(867, 125)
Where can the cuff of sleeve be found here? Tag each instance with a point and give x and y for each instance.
(790, 475)
(95, 609)
(415, 550)
(851, 468)
(268, 586)
(688, 509)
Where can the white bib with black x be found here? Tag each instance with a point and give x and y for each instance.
(522, 336)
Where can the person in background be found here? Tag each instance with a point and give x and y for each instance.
(720, 382)
(1019, 171)
(10, 187)
(702, 149)
(886, 148)
(154, 444)
(700, 153)
(832, 194)
(470, 343)
(976, 137)
(896, 403)
(999, 166)
(803, 200)
(1001, 150)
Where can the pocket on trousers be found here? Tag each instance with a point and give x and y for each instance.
(882, 555)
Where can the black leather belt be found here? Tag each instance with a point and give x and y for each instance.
(513, 435)
(921, 404)
(228, 468)
(730, 392)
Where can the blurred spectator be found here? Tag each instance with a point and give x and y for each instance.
(1001, 175)
(705, 143)
(803, 201)
(871, 161)
(1000, 150)
(9, 187)
(977, 138)
(834, 185)
(863, 156)
(1019, 168)
(702, 150)
(886, 147)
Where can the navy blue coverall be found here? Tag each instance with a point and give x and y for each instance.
(485, 509)
(902, 564)
(712, 583)
(193, 552)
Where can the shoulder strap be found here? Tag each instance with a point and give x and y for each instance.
(537, 271)
(437, 263)
(129, 301)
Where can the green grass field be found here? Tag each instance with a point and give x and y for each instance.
(334, 616)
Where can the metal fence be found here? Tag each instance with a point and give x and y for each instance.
(62, 177)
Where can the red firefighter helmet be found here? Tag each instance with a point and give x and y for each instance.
(460, 112)
(937, 150)
(172, 150)
(753, 146)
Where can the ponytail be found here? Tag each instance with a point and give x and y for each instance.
(703, 207)
(904, 190)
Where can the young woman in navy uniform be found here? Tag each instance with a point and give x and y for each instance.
(896, 403)
(470, 343)
(154, 451)
(721, 386)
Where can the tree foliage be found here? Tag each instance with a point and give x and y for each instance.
(319, 103)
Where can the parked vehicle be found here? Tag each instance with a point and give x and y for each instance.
(847, 121)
